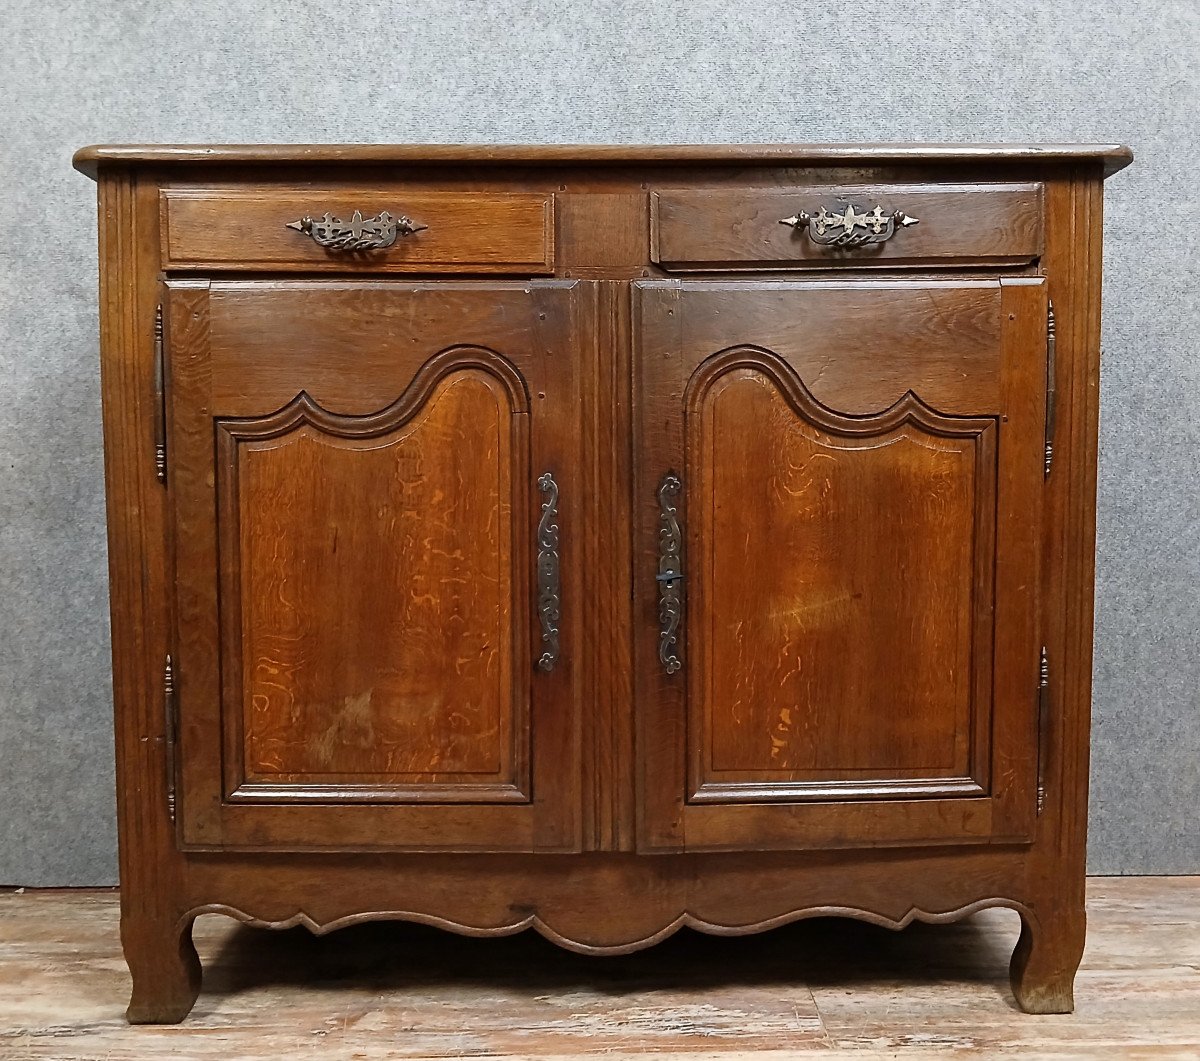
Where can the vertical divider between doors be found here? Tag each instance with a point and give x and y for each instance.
(608, 735)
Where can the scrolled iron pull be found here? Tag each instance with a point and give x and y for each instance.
(670, 574)
(549, 602)
(849, 225)
(357, 234)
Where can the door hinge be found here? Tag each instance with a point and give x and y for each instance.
(1043, 726)
(1050, 386)
(160, 400)
(169, 728)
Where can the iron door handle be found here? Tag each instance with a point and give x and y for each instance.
(549, 585)
(670, 574)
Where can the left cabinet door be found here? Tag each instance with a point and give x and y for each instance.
(374, 489)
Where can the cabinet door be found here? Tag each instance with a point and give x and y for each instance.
(372, 484)
(847, 476)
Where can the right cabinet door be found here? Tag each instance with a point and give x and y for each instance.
(838, 498)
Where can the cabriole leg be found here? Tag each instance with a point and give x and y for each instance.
(1046, 958)
(165, 968)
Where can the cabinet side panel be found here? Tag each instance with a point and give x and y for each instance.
(1074, 269)
(1086, 394)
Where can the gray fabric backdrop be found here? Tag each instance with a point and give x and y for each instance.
(618, 70)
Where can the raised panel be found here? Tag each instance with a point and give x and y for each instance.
(375, 578)
(839, 590)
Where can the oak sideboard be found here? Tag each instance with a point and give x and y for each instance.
(603, 540)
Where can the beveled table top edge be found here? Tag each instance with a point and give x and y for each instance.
(91, 159)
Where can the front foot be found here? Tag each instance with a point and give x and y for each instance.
(165, 968)
(1043, 965)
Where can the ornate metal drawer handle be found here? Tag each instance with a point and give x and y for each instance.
(357, 234)
(852, 226)
(670, 574)
(549, 603)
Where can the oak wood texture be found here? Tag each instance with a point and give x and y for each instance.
(956, 224)
(335, 445)
(369, 639)
(860, 568)
(405, 991)
(1111, 157)
(246, 228)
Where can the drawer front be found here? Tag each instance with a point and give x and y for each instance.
(861, 225)
(455, 232)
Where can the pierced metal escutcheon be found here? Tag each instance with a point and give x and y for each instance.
(357, 234)
(849, 225)
(670, 574)
(549, 587)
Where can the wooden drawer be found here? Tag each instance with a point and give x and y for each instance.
(462, 232)
(956, 224)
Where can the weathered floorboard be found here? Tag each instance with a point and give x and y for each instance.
(405, 991)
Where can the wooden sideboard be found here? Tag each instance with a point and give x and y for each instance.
(604, 540)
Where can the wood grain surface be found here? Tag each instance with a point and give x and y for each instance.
(367, 507)
(819, 663)
(956, 224)
(404, 991)
(246, 228)
(378, 645)
(860, 462)
(90, 160)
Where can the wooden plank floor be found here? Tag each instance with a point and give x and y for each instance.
(405, 991)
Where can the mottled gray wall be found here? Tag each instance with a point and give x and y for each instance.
(557, 70)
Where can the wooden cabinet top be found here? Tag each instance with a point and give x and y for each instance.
(90, 160)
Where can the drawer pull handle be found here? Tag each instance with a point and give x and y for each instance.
(850, 226)
(549, 602)
(357, 234)
(670, 574)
